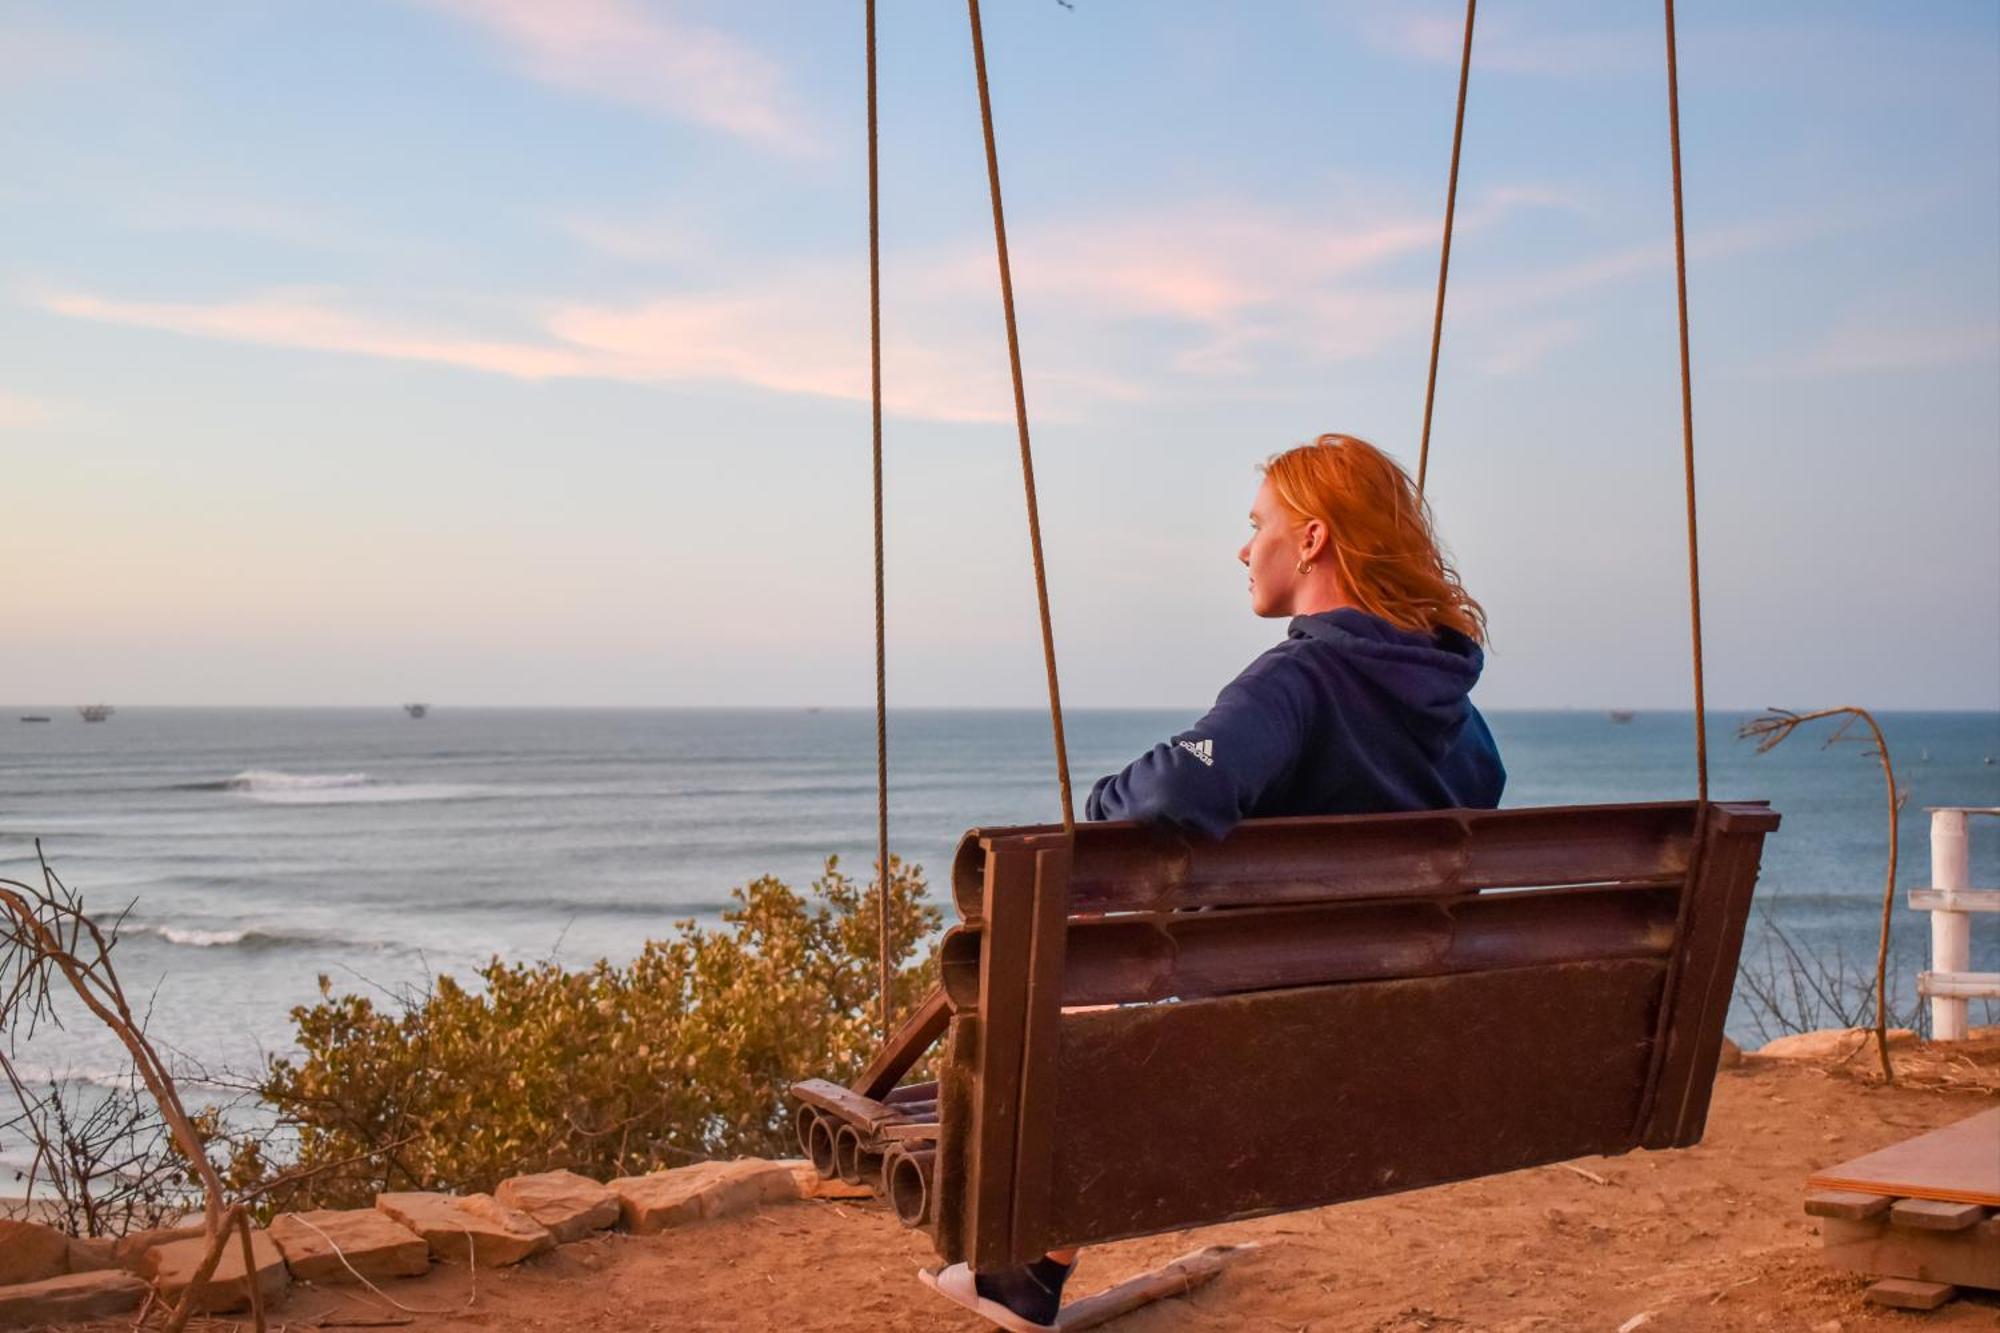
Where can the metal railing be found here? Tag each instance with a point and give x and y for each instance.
(1951, 900)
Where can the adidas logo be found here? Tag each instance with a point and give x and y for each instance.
(1203, 750)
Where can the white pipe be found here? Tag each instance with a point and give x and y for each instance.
(1951, 932)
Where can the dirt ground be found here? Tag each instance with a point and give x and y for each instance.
(1709, 1238)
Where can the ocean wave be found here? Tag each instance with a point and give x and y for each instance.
(250, 937)
(264, 779)
(273, 787)
(68, 1076)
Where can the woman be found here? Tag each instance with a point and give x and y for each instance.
(1362, 708)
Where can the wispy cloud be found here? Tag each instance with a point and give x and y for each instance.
(619, 52)
(1502, 44)
(644, 240)
(1860, 345)
(31, 51)
(309, 319)
(20, 412)
(1116, 309)
(1526, 346)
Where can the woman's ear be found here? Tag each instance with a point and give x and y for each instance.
(1313, 540)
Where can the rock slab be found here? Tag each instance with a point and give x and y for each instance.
(92, 1255)
(569, 1205)
(664, 1199)
(130, 1251)
(77, 1296)
(812, 1186)
(375, 1245)
(172, 1267)
(474, 1228)
(31, 1252)
(1828, 1043)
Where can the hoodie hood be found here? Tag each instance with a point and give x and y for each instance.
(1426, 676)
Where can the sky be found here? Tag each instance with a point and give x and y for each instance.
(497, 352)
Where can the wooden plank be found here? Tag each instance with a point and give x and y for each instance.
(1969, 1258)
(1189, 955)
(1130, 867)
(1179, 1115)
(1847, 1205)
(911, 1040)
(1003, 1014)
(1034, 1143)
(1957, 1164)
(1719, 894)
(1175, 1278)
(949, 1174)
(1903, 1294)
(911, 1131)
(1935, 1215)
(861, 1112)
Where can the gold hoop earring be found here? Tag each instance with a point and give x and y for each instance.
(1305, 567)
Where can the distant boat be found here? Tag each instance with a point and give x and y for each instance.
(1622, 715)
(95, 712)
(33, 717)
(416, 710)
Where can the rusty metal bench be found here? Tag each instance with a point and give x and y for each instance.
(1145, 1034)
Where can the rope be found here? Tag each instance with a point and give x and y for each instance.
(881, 639)
(1021, 417)
(1444, 252)
(1687, 411)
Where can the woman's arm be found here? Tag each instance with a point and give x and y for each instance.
(1210, 777)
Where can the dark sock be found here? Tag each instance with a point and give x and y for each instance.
(1034, 1292)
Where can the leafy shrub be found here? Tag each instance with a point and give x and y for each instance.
(682, 1053)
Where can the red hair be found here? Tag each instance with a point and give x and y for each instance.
(1379, 534)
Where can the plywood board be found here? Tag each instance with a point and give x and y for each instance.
(1957, 1164)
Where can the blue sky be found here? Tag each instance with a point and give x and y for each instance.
(490, 351)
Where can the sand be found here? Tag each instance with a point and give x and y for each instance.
(1708, 1238)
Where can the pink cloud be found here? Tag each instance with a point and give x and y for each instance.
(306, 321)
(1503, 45)
(20, 412)
(619, 52)
(1860, 345)
(1224, 293)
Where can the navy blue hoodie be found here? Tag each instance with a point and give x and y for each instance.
(1349, 715)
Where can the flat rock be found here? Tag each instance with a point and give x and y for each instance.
(687, 1194)
(58, 1300)
(806, 1177)
(92, 1255)
(130, 1251)
(468, 1227)
(172, 1267)
(1828, 1043)
(375, 1245)
(569, 1205)
(30, 1252)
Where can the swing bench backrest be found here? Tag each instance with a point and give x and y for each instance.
(1148, 1033)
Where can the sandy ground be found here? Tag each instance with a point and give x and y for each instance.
(1708, 1238)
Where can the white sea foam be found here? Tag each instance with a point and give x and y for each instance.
(275, 788)
(270, 780)
(201, 939)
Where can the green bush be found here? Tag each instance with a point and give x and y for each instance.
(681, 1054)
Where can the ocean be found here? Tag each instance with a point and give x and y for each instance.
(257, 849)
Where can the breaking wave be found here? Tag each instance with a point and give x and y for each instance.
(249, 937)
(273, 787)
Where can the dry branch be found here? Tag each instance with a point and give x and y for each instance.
(1769, 731)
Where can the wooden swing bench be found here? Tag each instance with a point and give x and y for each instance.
(1143, 1033)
